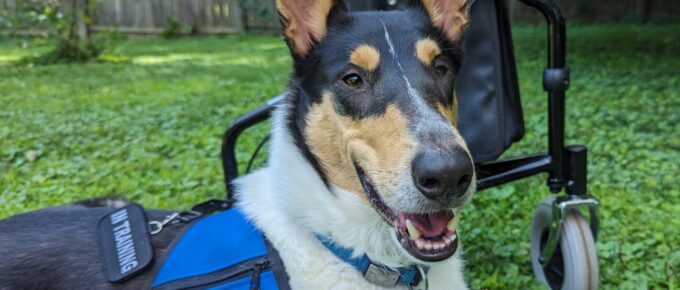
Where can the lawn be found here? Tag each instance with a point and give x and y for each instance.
(146, 124)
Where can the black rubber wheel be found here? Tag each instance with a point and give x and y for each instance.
(574, 265)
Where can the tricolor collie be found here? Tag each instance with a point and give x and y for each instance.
(367, 171)
(365, 150)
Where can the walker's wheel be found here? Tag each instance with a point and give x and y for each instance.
(574, 265)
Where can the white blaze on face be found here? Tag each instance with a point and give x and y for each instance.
(428, 117)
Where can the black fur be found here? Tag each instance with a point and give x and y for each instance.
(299, 102)
(57, 248)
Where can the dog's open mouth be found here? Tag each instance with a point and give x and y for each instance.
(428, 237)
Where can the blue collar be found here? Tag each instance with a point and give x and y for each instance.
(378, 273)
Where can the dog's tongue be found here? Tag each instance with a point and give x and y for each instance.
(429, 225)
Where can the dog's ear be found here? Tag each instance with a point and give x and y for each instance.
(451, 16)
(305, 22)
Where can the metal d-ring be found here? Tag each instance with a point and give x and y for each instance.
(560, 208)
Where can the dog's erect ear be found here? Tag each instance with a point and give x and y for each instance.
(451, 16)
(305, 22)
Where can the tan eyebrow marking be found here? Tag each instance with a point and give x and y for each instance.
(365, 57)
(427, 50)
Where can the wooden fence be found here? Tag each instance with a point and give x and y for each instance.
(153, 16)
(233, 16)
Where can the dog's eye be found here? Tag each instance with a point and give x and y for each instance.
(441, 69)
(441, 66)
(353, 80)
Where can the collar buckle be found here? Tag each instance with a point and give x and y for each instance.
(381, 275)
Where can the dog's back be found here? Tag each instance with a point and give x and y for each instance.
(57, 248)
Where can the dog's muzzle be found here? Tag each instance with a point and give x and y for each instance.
(428, 237)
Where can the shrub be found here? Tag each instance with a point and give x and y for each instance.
(66, 23)
(172, 29)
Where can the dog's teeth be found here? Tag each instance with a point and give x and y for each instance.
(453, 224)
(412, 231)
(420, 244)
(447, 240)
(438, 246)
(428, 246)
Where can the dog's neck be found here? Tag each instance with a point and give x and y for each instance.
(291, 204)
(303, 197)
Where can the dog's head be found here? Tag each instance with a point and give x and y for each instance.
(374, 112)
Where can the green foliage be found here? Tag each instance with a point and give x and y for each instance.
(68, 51)
(172, 29)
(258, 8)
(194, 29)
(32, 14)
(61, 20)
(149, 129)
(259, 16)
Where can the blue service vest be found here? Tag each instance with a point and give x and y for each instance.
(222, 251)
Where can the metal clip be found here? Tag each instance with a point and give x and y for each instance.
(381, 275)
(156, 227)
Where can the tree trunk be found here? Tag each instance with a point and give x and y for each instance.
(644, 9)
(84, 20)
(73, 21)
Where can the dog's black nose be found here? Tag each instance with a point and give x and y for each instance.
(442, 175)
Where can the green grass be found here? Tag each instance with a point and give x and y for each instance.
(147, 125)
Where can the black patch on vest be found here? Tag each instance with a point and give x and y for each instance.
(125, 243)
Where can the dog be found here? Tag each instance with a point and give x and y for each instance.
(365, 153)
